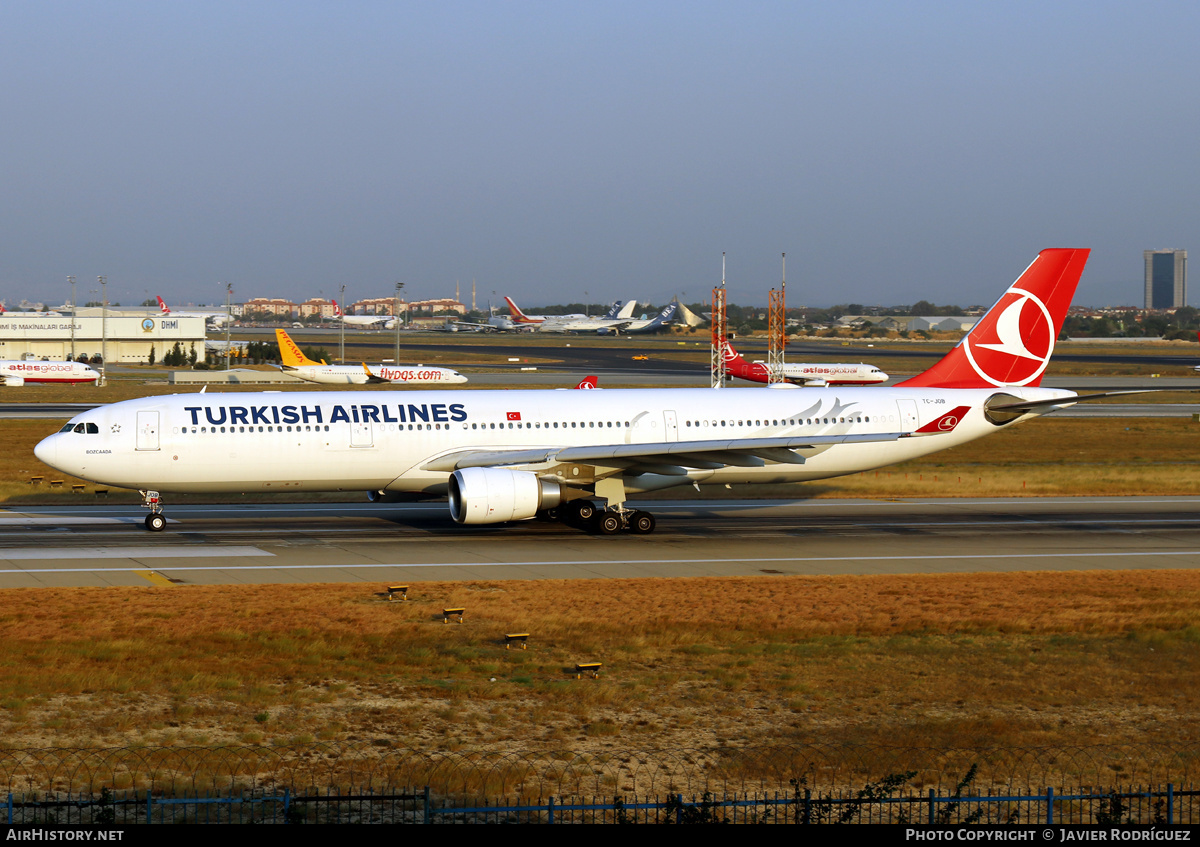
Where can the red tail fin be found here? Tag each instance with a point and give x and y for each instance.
(162, 307)
(518, 315)
(1012, 343)
(588, 382)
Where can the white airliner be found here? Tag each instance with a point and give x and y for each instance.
(519, 317)
(619, 314)
(16, 373)
(294, 362)
(510, 455)
(213, 316)
(385, 321)
(826, 373)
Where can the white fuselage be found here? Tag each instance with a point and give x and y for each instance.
(330, 441)
(832, 373)
(16, 371)
(355, 375)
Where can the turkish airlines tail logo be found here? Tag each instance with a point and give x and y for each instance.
(1012, 343)
(337, 310)
(163, 307)
(588, 382)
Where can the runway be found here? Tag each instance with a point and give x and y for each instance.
(380, 543)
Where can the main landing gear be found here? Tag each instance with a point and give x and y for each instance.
(585, 514)
(155, 521)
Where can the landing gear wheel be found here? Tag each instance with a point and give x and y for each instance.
(578, 512)
(641, 523)
(155, 523)
(608, 523)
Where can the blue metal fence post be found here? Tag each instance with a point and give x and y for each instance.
(426, 805)
(1170, 803)
(10, 819)
(550, 810)
(931, 807)
(1049, 805)
(149, 815)
(287, 804)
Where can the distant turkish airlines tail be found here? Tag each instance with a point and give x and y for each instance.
(337, 310)
(1012, 343)
(588, 382)
(162, 307)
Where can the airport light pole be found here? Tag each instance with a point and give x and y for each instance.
(103, 380)
(228, 323)
(74, 314)
(396, 320)
(342, 328)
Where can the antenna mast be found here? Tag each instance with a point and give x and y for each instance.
(720, 331)
(777, 329)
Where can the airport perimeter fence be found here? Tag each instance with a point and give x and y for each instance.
(382, 767)
(875, 803)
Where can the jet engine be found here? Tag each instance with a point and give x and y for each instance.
(495, 495)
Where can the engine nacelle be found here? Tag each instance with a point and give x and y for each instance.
(495, 495)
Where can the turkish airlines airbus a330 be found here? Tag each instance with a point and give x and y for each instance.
(509, 455)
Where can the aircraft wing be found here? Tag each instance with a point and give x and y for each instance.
(669, 457)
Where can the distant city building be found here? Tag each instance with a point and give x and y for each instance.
(282, 308)
(376, 306)
(435, 306)
(316, 306)
(1166, 278)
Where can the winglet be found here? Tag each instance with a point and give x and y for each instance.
(1012, 343)
(289, 353)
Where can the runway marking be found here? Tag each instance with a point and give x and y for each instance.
(774, 560)
(156, 579)
(182, 552)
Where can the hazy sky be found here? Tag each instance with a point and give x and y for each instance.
(895, 151)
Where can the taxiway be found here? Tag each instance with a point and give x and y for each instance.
(381, 543)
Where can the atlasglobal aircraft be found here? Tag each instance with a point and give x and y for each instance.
(294, 362)
(15, 373)
(510, 455)
(803, 374)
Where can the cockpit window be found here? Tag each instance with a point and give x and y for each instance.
(92, 428)
(79, 427)
(89, 428)
(67, 428)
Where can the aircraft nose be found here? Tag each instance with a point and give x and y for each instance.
(47, 450)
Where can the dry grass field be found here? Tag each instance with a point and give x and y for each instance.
(1055, 659)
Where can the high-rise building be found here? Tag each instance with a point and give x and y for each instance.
(1166, 279)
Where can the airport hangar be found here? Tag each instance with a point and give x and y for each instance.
(125, 336)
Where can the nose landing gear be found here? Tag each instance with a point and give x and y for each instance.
(155, 521)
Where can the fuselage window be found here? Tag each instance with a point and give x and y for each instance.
(204, 429)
